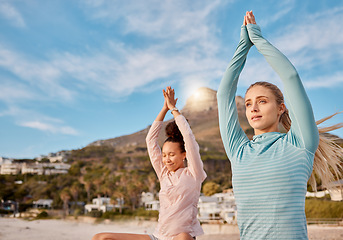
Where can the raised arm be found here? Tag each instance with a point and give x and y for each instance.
(154, 150)
(231, 132)
(304, 131)
(195, 164)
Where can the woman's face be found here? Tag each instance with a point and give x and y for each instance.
(172, 156)
(262, 110)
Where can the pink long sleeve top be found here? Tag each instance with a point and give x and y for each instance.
(180, 190)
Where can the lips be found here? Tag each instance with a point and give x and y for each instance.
(255, 118)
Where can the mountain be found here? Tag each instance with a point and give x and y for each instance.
(201, 111)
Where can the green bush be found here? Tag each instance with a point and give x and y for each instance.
(42, 215)
(110, 214)
(3, 211)
(95, 213)
(315, 208)
(146, 213)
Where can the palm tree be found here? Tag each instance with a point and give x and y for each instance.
(65, 196)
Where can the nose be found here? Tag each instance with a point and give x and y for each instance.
(166, 159)
(254, 107)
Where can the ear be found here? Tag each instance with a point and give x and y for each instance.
(282, 108)
(184, 155)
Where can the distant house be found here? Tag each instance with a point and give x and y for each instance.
(61, 156)
(9, 205)
(103, 204)
(218, 207)
(208, 209)
(336, 190)
(55, 168)
(10, 168)
(32, 168)
(147, 197)
(43, 203)
(148, 201)
(4, 160)
(152, 205)
(319, 194)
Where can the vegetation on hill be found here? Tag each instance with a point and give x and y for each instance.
(120, 168)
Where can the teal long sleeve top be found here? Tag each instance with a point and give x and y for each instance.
(271, 171)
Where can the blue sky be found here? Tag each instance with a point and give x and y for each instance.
(72, 71)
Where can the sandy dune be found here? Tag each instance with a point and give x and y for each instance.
(17, 229)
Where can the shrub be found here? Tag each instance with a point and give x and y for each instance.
(95, 213)
(42, 215)
(315, 208)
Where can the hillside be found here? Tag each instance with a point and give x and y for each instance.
(201, 111)
(120, 167)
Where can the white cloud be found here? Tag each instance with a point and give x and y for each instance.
(281, 11)
(120, 72)
(314, 47)
(316, 41)
(46, 127)
(27, 117)
(188, 46)
(15, 92)
(10, 13)
(37, 73)
(326, 81)
(173, 21)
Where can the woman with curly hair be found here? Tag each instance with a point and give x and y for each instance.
(180, 185)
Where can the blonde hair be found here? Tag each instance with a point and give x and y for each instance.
(328, 156)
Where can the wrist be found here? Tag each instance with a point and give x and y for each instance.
(174, 109)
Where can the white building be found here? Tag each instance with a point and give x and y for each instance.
(152, 205)
(319, 194)
(100, 204)
(32, 168)
(43, 203)
(55, 168)
(208, 209)
(218, 207)
(336, 190)
(61, 156)
(148, 201)
(4, 160)
(147, 197)
(10, 168)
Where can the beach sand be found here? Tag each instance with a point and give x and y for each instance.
(82, 229)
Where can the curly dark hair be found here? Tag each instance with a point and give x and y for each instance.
(174, 135)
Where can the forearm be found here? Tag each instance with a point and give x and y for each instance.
(176, 113)
(303, 123)
(154, 150)
(230, 129)
(195, 165)
(162, 114)
(229, 81)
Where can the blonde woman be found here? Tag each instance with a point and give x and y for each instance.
(271, 171)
